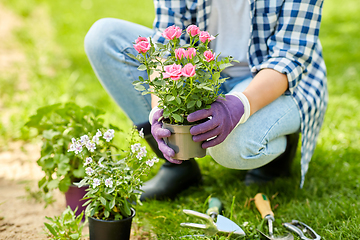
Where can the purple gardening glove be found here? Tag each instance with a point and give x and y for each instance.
(225, 113)
(159, 133)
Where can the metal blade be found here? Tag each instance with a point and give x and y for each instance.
(227, 226)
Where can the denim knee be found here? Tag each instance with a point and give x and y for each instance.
(96, 37)
(244, 152)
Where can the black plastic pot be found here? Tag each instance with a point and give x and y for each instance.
(182, 143)
(73, 199)
(110, 230)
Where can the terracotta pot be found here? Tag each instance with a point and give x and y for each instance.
(110, 230)
(73, 199)
(182, 143)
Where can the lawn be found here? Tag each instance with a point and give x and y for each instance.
(53, 68)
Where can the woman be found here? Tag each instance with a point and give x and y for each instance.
(277, 90)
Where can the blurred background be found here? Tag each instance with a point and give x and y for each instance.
(42, 61)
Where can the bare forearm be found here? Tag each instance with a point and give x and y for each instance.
(266, 86)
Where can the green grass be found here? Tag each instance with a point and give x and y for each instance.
(56, 70)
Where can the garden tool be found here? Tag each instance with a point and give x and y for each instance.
(301, 229)
(222, 225)
(263, 205)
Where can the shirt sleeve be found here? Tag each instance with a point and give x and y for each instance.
(291, 46)
(180, 13)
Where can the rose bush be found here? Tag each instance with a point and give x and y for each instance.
(189, 75)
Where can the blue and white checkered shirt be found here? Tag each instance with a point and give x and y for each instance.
(284, 37)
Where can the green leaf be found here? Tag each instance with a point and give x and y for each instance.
(51, 229)
(48, 163)
(112, 203)
(159, 82)
(41, 182)
(136, 82)
(127, 208)
(166, 113)
(142, 67)
(191, 104)
(81, 183)
(64, 184)
(90, 109)
(87, 202)
(140, 87)
(160, 45)
(80, 172)
(224, 65)
(106, 213)
(92, 211)
(62, 169)
(53, 184)
(103, 201)
(178, 100)
(198, 103)
(205, 87)
(50, 134)
(47, 109)
(170, 98)
(35, 121)
(74, 236)
(216, 76)
(131, 56)
(107, 196)
(177, 117)
(179, 84)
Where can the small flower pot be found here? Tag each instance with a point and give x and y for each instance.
(73, 199)
(182, 143)
(110, 230)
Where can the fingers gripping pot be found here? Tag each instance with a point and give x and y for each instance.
(174, 141)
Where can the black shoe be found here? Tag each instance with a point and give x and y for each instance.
(279, 167)
(171, 180)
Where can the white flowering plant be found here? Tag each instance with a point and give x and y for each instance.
(188, 75)
(56, 125)
(113, 175)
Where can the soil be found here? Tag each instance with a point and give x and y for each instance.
(22, 215)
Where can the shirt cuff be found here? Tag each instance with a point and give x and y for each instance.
(246, 104)
(151, 114)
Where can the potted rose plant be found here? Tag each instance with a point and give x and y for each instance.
(56, 124)
(188, 80)
(114, 179)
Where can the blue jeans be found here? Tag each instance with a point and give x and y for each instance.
(252, 144)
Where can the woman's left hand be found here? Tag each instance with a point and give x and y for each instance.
(225, 115)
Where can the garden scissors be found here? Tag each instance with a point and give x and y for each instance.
(301, 229)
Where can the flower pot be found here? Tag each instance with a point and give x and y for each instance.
(182, 143)
(110, 230)
(73, 199)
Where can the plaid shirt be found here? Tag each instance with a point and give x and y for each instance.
(284, 37)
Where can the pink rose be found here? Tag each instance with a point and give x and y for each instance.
(209, 56)
(172, 32)
(141, 39)
(192, 30)
(188, 70)
(190, 53)
(172, 71)
(205, 36)
(180, 53)
(142, 46)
